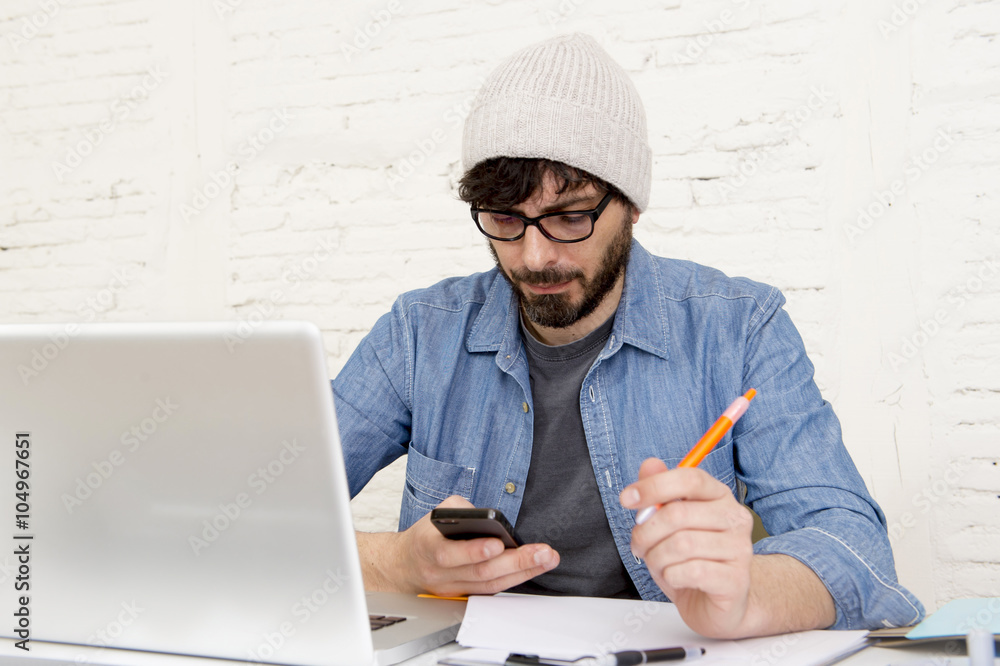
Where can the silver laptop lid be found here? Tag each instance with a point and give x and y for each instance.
(185, 492)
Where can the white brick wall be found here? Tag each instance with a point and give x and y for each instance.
(327, 164)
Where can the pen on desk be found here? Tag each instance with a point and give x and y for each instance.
(635, 657)
(707, 442)
(624, 658)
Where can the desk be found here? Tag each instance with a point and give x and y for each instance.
(873, 656)
(49, 654)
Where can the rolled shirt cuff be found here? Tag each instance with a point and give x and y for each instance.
(864, 596)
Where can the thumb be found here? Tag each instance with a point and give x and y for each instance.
(456, 502)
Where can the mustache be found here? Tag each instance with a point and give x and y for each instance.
(546, 276)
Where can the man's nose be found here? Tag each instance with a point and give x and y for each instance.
(538, 252)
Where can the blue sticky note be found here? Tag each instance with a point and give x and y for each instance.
(958, 617)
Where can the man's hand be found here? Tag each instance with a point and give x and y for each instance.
(697, 546)
(698, 550)
(421, 559)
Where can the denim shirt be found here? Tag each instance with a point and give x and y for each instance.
(443, 379)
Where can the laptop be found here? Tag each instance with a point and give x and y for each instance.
(179, 488)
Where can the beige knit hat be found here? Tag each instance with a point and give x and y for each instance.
(566, 100)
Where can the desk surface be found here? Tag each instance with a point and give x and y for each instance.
(928, 653)
(47, 654)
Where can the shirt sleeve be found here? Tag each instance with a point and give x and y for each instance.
(802, 482)
(372, 403)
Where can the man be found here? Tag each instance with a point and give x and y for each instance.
(564, 387)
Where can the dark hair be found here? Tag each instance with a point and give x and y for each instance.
(503, 182)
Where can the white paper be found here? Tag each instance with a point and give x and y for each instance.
(573, 627)
(474, 657)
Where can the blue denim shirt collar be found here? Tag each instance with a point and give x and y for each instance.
(641, 320)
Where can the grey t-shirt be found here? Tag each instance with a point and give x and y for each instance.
(562, 504)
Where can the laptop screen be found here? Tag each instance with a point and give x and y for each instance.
(183, 491)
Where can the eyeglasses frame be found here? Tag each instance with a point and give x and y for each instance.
(593, 214)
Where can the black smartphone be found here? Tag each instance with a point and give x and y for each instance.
(475, 524)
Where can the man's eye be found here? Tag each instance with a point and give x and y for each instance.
(505, 219)
(572, 220)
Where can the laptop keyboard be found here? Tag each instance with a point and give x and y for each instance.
(379, 621)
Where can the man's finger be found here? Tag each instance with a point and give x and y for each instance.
(693, 545)
(509, 581)
(651, 466)
(493, 585)
(460, 553)
(677, 517)
(525, 558)
(679, 483)
(712, 578)
(513, 568)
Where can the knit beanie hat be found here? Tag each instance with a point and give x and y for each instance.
(565, 100)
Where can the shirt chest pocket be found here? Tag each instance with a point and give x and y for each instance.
(428, 482)
(718, 463)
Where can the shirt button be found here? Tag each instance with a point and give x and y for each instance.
(524, 406)
(510, 488)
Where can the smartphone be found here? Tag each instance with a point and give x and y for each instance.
(475, 524)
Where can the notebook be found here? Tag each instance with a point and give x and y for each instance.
(179, 488)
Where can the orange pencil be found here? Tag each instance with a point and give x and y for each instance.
(707, 442)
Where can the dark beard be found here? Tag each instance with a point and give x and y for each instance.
(556, 310)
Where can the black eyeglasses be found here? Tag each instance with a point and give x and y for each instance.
(561, 227)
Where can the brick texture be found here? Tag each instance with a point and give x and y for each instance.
(192, 160)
